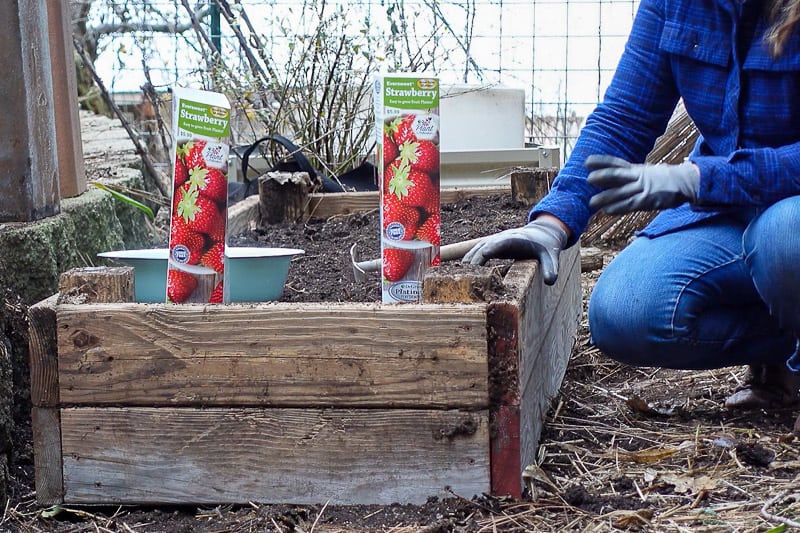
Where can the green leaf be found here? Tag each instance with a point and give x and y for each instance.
(51, 511)
(125, 198)
(779, 529)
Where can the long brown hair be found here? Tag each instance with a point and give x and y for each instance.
(784, 15)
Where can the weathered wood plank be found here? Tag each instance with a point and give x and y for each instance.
(43, 353)
(302, 456)
(71, 171)
(451, 195)
(46, 427)
(542, 309)
(273, 354)
(548, 368)
(526, 363)
(243, 215)
(324, 205)
(548, 328)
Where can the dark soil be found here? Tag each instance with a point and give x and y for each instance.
(721, 469)
(325, 272)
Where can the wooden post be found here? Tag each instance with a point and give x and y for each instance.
(85, 285)
(96, 285)
(283, 196)
(531, 184)
(28, 166)
(71, 172)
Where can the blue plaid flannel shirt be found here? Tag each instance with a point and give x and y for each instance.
(745, 104)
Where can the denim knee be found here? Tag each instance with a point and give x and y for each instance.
(614, 330)
(603, 319)
(771, 246)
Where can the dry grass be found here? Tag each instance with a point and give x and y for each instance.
(654, 450)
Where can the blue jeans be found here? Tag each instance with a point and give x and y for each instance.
(723, 292)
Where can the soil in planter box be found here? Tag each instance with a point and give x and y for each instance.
(325, 273)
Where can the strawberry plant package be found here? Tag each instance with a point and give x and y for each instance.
(407, 134)
(199, 196)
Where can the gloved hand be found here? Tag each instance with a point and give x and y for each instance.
(540, 239)
(629, 187)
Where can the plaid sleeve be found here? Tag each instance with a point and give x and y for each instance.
(749, 177)
(635, 110)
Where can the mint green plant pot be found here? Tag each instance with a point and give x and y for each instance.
(149, 271)
(254, 274)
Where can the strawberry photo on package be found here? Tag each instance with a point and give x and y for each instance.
(199, 197)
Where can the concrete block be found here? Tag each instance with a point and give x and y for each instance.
(100, 229)
(135, 233)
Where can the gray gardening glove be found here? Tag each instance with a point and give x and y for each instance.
(540, 239)
(629, 187)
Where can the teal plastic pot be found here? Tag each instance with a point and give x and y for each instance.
(254, 274)
(149, 271)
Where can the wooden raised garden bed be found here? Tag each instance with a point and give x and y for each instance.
(299, 403)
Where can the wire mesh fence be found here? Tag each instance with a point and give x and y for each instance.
(562, 53)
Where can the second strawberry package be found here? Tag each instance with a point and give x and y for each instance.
(200, 194)
(407, 131)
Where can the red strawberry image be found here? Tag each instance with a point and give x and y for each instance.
(217, 233)
(402, 130)
(390, 151)
(214, 257)
(430, 230)
(421, 155)
(388, 173)
(210, 182)
(180, 285)
(216, 294)
(414, 188)
(177, 196)
(181, 234)
(199, 213)
(193, 154)
(396, 263)
(181, 173)
(400, 217)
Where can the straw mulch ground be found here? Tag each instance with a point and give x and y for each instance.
(654, 450)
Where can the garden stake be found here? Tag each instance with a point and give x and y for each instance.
(447, 252)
